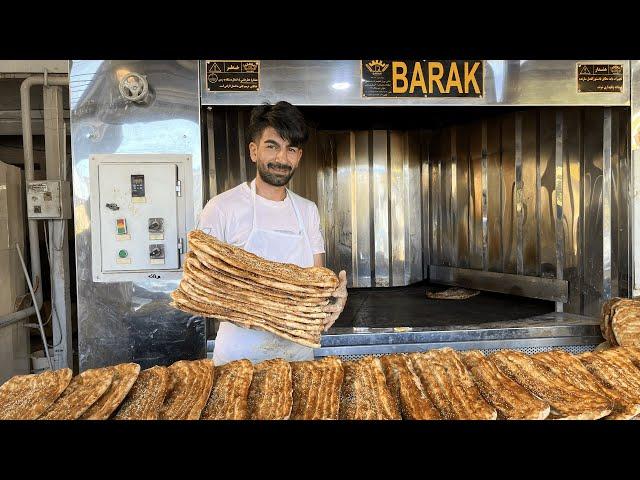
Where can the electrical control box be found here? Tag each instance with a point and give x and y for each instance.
(48, 199)
(141, 211)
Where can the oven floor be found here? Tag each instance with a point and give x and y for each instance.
(409, 307)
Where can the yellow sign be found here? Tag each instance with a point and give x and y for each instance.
(422, 78)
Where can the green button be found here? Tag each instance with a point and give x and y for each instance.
(123, 253)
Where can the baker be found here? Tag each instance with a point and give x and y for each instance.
(267, 219)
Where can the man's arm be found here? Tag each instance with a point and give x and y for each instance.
(319, 260)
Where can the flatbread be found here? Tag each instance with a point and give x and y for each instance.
(566, 401)
(316, 389)
(271, 393)
(26, 397)
(511, 400)
(184, 303)
(191, 383)
(364, 394)
(406, 388)
(124, 376)
(454, 293)
(222, 281)
(625, 326)
(241, 259)
(83, 391)
(571, 369)
(221, 300)
(274, 306)
(146, 396)
(215, 263)
(230, 391)
(450, 386)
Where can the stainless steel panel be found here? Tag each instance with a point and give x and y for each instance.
(453, 191)
(310, 159)
(326, 195)
(571, 208)
(593, 229)
(131, 321)
(342, 206)
(547, 169)
(635, 175)
(462, 198)
(242, 158)
(447, 182)
(620, 191)
(512, 284)
(413, 206)
(494, 196)
(614, 205)
(380, 187)
(212, 183)
(477, 199)
(509, 217)
(606, 205)
(558, 200)
(507, 82)
(398, 222)
(435, 160)
(549, 326)
(234, 166)
(519, 194)
(530, 261)
(360, 211)
(485, 193)
(425, 194)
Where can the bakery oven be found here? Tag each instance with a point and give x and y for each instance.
(521, 189)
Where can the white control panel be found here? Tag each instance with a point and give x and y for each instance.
(140, 214)
(48, 199)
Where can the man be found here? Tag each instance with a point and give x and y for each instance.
(265, 218)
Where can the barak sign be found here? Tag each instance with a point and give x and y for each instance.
(422, 78)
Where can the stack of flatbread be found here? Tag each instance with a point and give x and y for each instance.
(228, 283)
(620, 322)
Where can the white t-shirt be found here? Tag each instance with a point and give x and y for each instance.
(229, 217)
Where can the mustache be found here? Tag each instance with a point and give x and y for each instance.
(282, 166)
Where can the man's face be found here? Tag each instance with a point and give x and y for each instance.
(275, 159)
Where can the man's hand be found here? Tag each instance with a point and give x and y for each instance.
(338, 301)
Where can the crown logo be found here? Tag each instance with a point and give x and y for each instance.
(616, 69)
(377, 66)
(250, 67)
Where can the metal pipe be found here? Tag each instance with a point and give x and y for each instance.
(27, 142)
(15, 317)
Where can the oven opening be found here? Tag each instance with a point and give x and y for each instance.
(507, 201)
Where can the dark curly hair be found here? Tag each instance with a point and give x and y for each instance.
(284, 118)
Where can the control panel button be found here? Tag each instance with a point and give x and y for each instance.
(156, 228)
(156, 251)
(156, 254)
(123, 253)
(121, 226)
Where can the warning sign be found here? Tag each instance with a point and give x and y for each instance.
(600, 78)
(233, 75)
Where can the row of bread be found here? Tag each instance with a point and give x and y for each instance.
(437, 384)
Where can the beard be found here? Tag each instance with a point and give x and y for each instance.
(277, 178)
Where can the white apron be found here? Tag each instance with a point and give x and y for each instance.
(235, 343)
